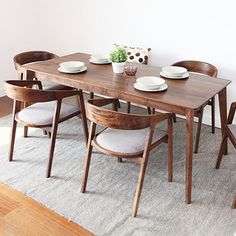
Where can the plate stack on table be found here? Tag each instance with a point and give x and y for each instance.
(150, 84)
(99, 59)
(174, 72)
(72, 67)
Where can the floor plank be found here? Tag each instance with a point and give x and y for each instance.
(5, 106)
(28, 217)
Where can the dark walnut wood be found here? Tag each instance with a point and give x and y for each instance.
(182, 97)
(21, 91)
(207, 69)
(230, 132)
(117, 120)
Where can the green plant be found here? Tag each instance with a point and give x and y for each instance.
(118, 55)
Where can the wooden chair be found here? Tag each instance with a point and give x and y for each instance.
(206, 69)
(114, 140)
(31, 57)
(230, 132)
(47, 110)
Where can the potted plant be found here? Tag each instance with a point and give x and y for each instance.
(118, 58)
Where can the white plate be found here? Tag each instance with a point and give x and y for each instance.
(186, 75)
(162, 88)
(99, 63)
(174, 70)
(150, 82)
(71, 65)
(84, 68)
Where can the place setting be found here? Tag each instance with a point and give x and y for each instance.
(150, 84)
(72, 67)
(174, 72)
(99, 59)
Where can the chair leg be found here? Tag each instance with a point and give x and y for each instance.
(12, 142)
(119, 160)
(128, 107)
(234, 203)
(198, 131)
(53, 138)
(174, 117)
(221, 152)
(139, 188)
(153, 111)
(88, 157)
(213, 115)
(91, 95)
(16, 108)
(25, 131)
(149, 110)
(170, 150)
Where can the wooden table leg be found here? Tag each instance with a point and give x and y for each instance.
(83, 115)
(189, 154)
(223, 115)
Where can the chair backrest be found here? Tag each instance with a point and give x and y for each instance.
(29, 57)
(21, 90)
(119, 120)
(199, 67)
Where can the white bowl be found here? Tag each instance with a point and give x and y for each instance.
(99, 57)
(150, 82)
(177, 71)
(71, 65)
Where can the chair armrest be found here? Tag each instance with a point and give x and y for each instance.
(231, 113)
(25, 83)
(104, 101)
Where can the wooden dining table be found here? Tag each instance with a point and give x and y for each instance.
(184, 97)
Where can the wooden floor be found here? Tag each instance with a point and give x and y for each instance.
(21, 215)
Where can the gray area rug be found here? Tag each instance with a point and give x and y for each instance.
(105, 208)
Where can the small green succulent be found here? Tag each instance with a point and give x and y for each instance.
(118, 55)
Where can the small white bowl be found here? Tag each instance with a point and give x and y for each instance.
(71, 65)
(177, 71)
(99, 57)
(150, 82)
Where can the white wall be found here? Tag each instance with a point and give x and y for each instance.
(175, 30)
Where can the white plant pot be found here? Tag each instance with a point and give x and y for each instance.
(118, 67)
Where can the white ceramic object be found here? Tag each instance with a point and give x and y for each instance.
(150, 82)
(99, 62)
(71, 65)
(99, 57)
(144, 89)
(84, 68)
(118, 68)
(184, 76)
(174, 71)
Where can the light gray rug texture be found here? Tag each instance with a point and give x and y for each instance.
(105, 209)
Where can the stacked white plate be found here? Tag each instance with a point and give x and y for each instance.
(150, 84)
(72, 67)
(99, 59)
(174, 72)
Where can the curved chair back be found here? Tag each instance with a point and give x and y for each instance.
(199, 67)
(29, 57)
(21, 90)
(119, 120)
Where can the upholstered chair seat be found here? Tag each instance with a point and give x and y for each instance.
(126, 141)
(42, 113)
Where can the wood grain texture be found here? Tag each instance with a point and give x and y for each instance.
(181, 94)
(182, 97)
(21, 215)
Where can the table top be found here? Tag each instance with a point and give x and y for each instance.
(190, 93)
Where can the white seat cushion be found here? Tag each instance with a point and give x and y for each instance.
(47, 85)
(126, 141)
(42, 113)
